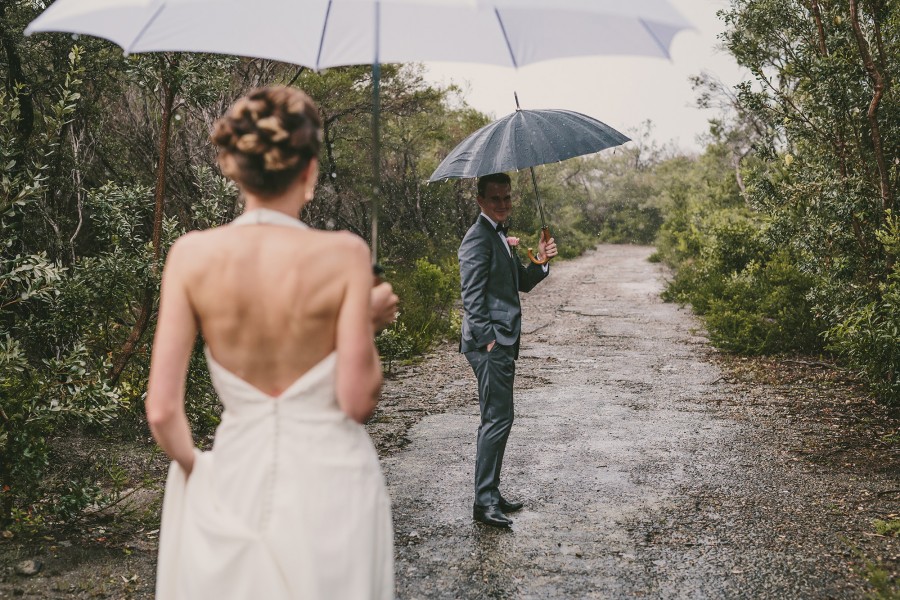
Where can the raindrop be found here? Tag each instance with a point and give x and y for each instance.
(75, 36)
(329, 224)
(333, 175)
(177, 117)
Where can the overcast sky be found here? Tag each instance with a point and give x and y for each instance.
(620, 91)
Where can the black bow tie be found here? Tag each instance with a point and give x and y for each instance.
(501, 228)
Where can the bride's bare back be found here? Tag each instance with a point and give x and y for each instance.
(271, 302)
(267, 298)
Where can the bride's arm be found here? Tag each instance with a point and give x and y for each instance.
(358, 366)
(176, 331)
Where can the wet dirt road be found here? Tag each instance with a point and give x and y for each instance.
(637, 479)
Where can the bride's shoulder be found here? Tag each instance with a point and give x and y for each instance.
(192, 241)
(190, 248)
(341, 241)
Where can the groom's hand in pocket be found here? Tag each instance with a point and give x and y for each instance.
(383, 306)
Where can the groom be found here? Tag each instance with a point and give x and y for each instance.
(491, 278)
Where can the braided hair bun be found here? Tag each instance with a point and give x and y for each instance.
(267, 138)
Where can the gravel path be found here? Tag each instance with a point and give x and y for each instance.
(641, 473)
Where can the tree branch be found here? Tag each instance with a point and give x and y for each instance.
(878, 81)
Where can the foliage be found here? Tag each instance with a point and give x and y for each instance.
(428, 312)
(751, 295)
(869, 334)
(50, 381)
(394, 343)
(890, 527)
(762, 309)
(787, 241)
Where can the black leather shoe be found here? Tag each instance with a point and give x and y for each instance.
(490, 515)
(508, 507)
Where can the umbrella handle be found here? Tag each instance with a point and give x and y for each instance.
(545, 236)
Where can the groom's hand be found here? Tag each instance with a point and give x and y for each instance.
(547, 248)
(383, 306)
(490, 346)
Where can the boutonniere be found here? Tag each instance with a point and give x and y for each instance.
(512, 241)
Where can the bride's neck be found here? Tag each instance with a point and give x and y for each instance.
(289, 202)
(286, 204)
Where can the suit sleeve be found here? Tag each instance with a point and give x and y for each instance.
(474, 271)
(531, 275)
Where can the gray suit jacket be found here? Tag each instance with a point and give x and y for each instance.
(491, 280)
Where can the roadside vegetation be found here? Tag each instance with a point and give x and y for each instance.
(783, 233)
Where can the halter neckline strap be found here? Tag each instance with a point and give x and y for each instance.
(268, 216)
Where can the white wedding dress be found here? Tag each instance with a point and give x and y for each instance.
(289, 503)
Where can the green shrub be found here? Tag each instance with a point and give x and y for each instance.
(869, 339)
(428, 293)
(394, 343)
(630, 223)
(868, 336)
(707, 254)
(752, 301)
(763, 310)
(695, 283)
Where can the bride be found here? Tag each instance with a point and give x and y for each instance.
(290, 502)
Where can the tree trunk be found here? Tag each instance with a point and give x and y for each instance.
(14, 78)
(143, 319)
(823, 50)
(820, 28)
(879, 84)
(160, 206)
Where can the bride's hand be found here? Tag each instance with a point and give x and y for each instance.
(383, 306)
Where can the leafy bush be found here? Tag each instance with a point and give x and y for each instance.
(752, 297)
(394, 343)
(428, 295)
(630, 223)
(762, 310)
(868, 337)
(49, 380)
(709, 250)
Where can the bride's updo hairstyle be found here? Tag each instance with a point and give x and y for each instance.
(267, 138)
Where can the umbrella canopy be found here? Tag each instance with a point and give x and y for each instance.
(329, 33)
(527, 138)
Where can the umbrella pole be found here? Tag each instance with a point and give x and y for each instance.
(376, 138)
(537, 199)
(545, 231)
(376, 156)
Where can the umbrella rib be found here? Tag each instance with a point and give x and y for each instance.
(512, 56)
(146, 26)
(659, 43)
(322, 39)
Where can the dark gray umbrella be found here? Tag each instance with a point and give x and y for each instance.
(525, 139)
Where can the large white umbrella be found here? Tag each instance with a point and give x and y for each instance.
(328, 33)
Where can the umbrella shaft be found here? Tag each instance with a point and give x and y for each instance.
(537, 198)
(376, 156)
(376, 133)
